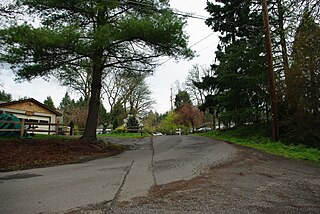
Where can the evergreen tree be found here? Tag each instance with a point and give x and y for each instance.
(304, 78)
(240, 75)
(181, 98)
(117, 115)
(105, 34)
(103, 116)
(302, 120)
(132, 122)
(82, 102)
(5, 97)
(49, 103)
(66, 102)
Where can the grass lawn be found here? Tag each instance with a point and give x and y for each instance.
(42, 137)
(67, 137)
(255, 139)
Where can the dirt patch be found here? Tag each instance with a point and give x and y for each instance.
(19, 154)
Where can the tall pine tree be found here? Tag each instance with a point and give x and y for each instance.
(240, 75)
(107, 34)
(302, 121)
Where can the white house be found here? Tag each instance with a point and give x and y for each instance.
(32, 111)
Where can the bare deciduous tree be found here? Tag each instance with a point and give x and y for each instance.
(195, 75)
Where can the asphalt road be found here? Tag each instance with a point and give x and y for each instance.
(250, 182)
(152, 161)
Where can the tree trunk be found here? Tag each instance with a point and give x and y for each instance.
(274, 107)
(283, 42)
(94, 103)
(213, 122)
(192, 123)
(96, 85)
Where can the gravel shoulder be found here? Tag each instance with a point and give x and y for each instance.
(252, 182)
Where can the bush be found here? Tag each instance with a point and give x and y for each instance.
(301, 131)
(257, 137)
(120, 129)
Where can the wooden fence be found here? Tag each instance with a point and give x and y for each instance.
(31, 127)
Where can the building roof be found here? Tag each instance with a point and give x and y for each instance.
(31, 100)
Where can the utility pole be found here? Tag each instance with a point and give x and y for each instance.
(274, 108)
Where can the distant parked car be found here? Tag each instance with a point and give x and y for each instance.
(106, 131)
(204, 129)
(157, 134)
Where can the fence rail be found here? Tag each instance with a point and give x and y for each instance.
(31, 127)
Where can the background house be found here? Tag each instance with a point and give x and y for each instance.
(32, 111)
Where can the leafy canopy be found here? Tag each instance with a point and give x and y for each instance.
(113, 33)
(49, 102)
(239, 80)
(96, 35)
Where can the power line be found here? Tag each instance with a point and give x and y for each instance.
(201, 17)
(204, 38)
(175, 11)
(194, 44)
(189, 15)
(206, 47)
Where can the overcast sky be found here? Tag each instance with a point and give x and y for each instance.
(163, 78)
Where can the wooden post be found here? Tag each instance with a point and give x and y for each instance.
(57, 127)
(274, 110)
(49, 126)
(22, 129)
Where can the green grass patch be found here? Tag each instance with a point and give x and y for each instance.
(256, 139)
(67, 137)
(124, 135)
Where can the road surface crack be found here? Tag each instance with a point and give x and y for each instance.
(116, 196)
(152, 164)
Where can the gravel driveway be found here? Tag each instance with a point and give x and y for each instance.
(252, 182)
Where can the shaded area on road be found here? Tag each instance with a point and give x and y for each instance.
(18, 176)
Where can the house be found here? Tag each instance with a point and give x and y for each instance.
(32, 111)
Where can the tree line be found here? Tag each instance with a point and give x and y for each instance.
(78, 38)
(236, 88)
(105, 49)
